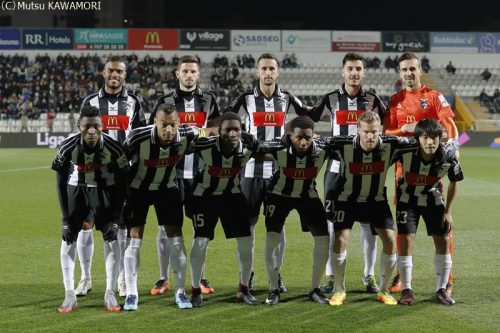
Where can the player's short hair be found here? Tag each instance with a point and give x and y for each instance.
(268, 56)
(302, 122)
(352, 56)
(167, 108)
(188, 59)
(89, 111)
(368, 117)
(408, 56)
(116, 58)
(229, 116)
(428, 126)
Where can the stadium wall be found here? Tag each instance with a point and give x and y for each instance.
(53, 140)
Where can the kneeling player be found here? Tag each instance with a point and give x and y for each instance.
(91, 182)
(217, 194)
(419, 194)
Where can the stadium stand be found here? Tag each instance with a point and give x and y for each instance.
(32, 87)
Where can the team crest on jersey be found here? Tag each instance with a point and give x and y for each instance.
(424, 103)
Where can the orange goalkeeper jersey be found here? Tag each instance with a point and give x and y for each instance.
(407, 107)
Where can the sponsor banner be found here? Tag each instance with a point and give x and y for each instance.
(405, 41)
(153, 39)
(255, 40)
(31, 140)
(489, 42)
(10, 39)
(356, 41)
(307, 41)
(101, 39)
(454, 42)
(204, 39)
(47, 39)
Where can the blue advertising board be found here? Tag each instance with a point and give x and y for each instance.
(10, 39)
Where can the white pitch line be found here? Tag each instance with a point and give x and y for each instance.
(24, 169)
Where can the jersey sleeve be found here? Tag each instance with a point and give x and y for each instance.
(455, 172)
(296, 105)
(321, 108)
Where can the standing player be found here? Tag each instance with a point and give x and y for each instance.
(343, 107)
(420, 193)
(154, 152)
(364, 161)
(197, 108)
(120, 113)
(91, 182)
(263, 111)
(293, 186)
(406, 108)
(217, 194)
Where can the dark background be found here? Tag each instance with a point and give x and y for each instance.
(478, 15)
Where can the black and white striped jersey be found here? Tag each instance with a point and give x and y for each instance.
(90, 167)
(295, 175)
(344, 110)
(153, 166)
(363, 174)
(421, 183)
(120, 114)
(221, 173)
(195, 108)
(265, 119)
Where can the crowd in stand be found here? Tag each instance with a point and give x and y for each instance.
(58, 84)
(54, 85)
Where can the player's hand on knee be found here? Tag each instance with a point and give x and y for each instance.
(66, 231)
(110, 231)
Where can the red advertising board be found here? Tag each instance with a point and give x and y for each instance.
(153, 39)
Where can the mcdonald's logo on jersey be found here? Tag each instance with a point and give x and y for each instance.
(162, 162)
(372, 168)
(152, 37)
(347, 117)
(300, 173)
(410, 118)
(261, 119)
(219, 172)
(196, 118)
(88, 167)
(114, 122)
(416, 179)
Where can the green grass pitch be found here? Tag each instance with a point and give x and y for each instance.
(31, 286)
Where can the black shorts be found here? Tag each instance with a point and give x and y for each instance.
(167, 203)
(378, 214)
(88, 204)
(231, 209)
(311, 212)
(254, 190)
(407, 217)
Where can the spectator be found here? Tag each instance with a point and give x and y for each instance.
(496, 96)
(486, 74)
(389, 63)
(425, 64)
(398, 85)
(484, 98)
(450, 69)
(50, 120)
